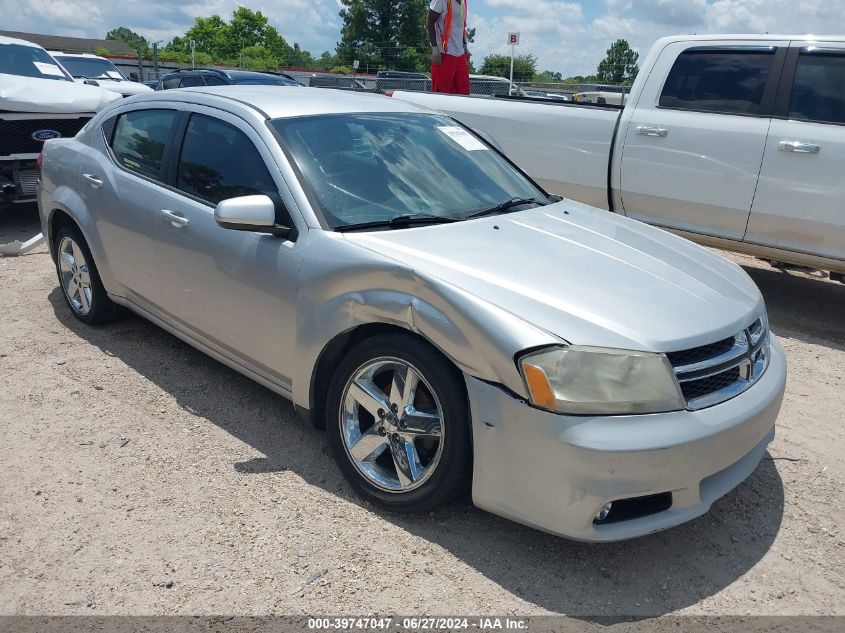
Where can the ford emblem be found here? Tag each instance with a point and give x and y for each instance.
(45, 135)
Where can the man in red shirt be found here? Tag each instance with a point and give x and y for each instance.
(447, 34)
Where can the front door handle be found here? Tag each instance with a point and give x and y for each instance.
(649, 130)
(175, 219)
(799, 148)
(95, 182)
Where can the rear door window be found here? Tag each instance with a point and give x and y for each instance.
(170, 82)
(713, 80)
(214, 81)
(141, 138)
(818, 92)
(218, 162)
(191, 81)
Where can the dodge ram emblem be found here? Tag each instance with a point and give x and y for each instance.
(45, 135)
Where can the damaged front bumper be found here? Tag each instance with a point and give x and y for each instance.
(556, 472)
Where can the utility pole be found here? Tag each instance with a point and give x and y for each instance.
(193, 54)
(155, 59)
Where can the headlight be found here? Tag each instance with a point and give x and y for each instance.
(601, 381)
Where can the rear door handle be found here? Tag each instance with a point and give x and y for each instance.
(649, 130)
(95, 182)
(799, 148)
(174, 218)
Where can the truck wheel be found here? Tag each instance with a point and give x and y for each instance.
(398, 424)
(80, 282)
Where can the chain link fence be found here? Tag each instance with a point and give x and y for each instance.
(386, 82)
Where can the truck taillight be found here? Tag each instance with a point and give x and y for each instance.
(40, 160)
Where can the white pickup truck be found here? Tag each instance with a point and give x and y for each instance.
(732, 141)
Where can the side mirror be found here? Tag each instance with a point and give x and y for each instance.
(249, 213)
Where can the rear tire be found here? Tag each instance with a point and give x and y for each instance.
(398, 424)
(80, 281)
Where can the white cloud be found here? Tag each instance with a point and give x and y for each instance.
(315, 24)
(576, 46)
(545, 8)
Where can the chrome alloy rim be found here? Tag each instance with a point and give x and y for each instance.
(76, 280)
(391, 423)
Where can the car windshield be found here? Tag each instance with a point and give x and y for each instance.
(90, 67)
(363, 168)
(29, 61)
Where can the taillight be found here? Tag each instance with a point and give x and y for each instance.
(40, 160)
(388, 93)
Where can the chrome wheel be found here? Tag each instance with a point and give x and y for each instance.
(391, 424)
(74, 274)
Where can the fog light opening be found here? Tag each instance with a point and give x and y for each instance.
(603, 513)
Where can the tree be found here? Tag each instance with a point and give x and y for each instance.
(524, 66)
(131, 38)
(548, 76)
(384, 33)
(619, 67)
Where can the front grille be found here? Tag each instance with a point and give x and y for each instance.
(699, 354)
(710, 374)
(16, 134)
(695, 389)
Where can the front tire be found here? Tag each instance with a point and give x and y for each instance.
(80, 281)
(398, 424)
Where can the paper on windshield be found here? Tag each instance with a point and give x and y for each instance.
(48, 69)
(462, 138)
(114, 74)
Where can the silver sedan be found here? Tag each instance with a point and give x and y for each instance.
(451, 326)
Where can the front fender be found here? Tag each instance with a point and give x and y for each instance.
(347, 287)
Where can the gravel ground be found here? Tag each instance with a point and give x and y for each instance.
(142, 477)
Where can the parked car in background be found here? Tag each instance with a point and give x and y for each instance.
(86, 68)
(732, 141)
(191, 78)
(602, 97)
(399, 280)
(492, 86)
(39, 100)
(152, 83)
(388, 80)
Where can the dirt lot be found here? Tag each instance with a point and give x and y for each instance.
(141, 477)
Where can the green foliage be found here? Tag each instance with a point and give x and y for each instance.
(547, 76)
(524, 66)
(341, 70)
(247, 40)
(131, 38)
(102, 52)
(387, 34)
(620, 65)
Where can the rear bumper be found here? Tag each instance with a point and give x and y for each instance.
(554, 472)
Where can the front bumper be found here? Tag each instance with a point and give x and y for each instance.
(554, 472)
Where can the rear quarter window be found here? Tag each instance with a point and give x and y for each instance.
(140, 140)
(727, 82)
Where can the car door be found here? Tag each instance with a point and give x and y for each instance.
(234, 290)
(121, 186)
(799, 203)
(692, 151)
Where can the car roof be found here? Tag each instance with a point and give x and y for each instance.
(14, 40)
(86, 55)
(287, 102)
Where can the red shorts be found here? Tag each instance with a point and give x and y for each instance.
(451, 76)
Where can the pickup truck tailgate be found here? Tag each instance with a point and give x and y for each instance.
(564, 147)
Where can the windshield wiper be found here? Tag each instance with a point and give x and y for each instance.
(504, 207)
(398, 222)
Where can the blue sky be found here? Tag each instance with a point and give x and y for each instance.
(566, 35)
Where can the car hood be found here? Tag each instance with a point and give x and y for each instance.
(30, 94)
(587, 276)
